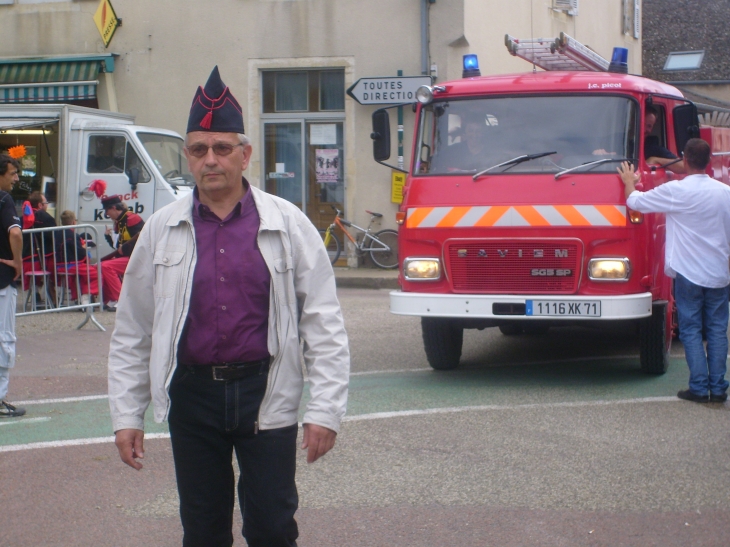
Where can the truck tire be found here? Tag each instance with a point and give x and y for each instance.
(655, 339)
(442, 341)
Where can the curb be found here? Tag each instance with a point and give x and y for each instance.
(367, 282)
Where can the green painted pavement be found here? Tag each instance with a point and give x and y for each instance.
(587, 380)
(512, 385)
(74, 420)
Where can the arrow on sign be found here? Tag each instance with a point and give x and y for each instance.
(394, 90)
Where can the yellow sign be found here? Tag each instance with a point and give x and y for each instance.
(106, 21)
(398, 181)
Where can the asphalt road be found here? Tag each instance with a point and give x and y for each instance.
(552, 440)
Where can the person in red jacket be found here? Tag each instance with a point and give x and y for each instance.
(127, 226)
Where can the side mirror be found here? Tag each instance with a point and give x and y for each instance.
(686, 124)
(133, 176)
(381, 135)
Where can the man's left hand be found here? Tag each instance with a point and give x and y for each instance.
(318, 441)
(629, 177)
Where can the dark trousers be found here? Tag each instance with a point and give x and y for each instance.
(208, 419)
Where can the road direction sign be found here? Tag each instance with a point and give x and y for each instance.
(393, 90)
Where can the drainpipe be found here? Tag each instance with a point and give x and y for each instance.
(425, 69)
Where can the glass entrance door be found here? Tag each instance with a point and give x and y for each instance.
(283, 161)
(303, 163)
(325, 171)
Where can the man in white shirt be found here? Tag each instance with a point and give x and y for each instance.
(697, 252)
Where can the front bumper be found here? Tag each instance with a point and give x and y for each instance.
(631, 306)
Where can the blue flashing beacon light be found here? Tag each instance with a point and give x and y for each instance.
(471, 66)
(619, 60)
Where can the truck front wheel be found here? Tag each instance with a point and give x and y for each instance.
(655, 339)
(442, 340)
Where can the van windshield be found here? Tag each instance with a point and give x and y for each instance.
(468, 136)
(167, 154)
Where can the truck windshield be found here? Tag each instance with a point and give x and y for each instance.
(468, 136)
(167, 154)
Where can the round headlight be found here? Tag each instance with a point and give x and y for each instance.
(424, 94)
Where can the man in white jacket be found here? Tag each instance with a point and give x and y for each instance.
(696, 256)
(225, 284)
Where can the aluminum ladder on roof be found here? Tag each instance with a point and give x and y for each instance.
(562, 53)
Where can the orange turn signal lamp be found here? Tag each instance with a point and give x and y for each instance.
(635, 217)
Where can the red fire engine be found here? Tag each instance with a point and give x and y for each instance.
(513, 214)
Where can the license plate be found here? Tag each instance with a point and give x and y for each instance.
(561, 308)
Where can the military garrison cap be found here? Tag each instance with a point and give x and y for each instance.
(215, 108)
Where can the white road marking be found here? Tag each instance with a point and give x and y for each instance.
(58, 401)
(481, 408)
(373, 416)
(73, 442)
(399, 371)
(26, 421)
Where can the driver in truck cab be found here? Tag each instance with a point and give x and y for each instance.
(469, 153)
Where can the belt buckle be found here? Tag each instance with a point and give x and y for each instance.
(215, 372)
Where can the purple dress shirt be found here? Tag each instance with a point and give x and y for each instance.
(228, 317)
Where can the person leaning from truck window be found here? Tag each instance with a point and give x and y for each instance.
(127, 226)
(654, 153)
(227, 281)
(11, 250)
(697, 258)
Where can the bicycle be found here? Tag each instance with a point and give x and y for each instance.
(382, 246)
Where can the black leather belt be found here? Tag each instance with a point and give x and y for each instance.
(231, 371)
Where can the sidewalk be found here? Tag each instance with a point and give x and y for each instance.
(366, 278)
(56, 360)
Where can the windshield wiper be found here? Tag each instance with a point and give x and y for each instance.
(591, 164)
(513, 162)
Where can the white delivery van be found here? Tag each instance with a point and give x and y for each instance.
(71, 146)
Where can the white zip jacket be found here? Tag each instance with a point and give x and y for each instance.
(154, 303)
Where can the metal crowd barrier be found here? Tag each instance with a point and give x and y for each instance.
(53, 268)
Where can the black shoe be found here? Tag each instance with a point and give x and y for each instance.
(687, 395)
(10, 411)
(721, 398)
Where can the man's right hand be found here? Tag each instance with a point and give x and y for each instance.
(130, 445)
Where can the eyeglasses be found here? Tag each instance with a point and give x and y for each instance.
(44, 203)
(219, 149)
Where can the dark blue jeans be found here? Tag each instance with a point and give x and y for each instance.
(698, 306)
(208, 420)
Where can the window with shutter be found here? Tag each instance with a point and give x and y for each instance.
(628, 16)
(570, 6)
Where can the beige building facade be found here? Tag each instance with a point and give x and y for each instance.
(289, 63)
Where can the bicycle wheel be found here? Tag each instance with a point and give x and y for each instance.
(384, 249)
(332, 244)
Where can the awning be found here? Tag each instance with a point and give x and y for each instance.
(37, 123)
(51, 79)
